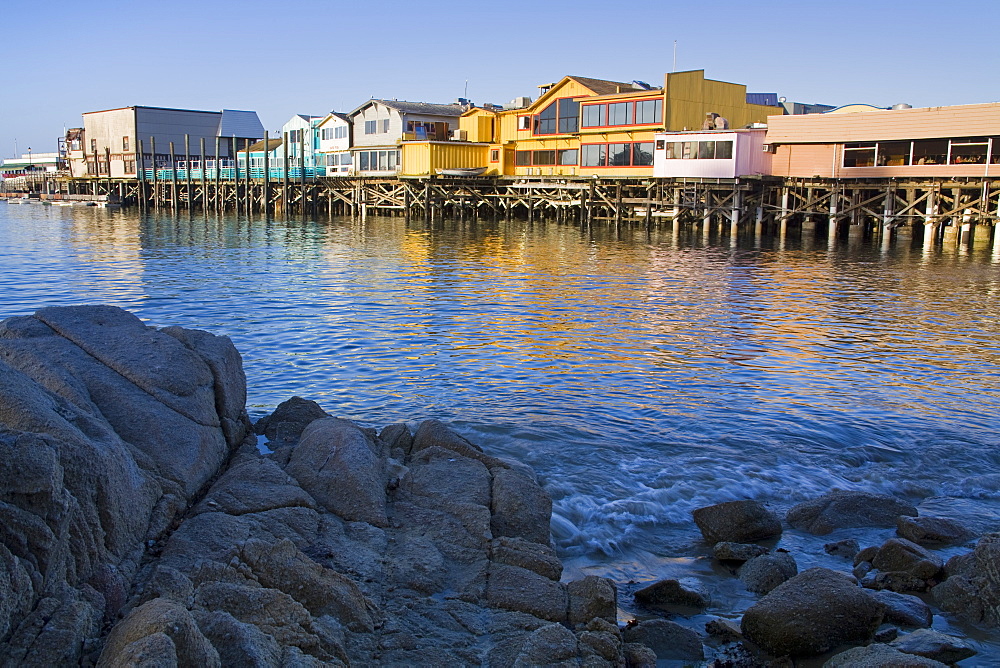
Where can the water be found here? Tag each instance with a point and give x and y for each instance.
(642, 375)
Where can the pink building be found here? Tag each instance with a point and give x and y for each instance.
(865, 142)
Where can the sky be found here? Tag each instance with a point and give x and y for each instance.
(63, 58)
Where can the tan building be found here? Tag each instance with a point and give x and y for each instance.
(866, 142)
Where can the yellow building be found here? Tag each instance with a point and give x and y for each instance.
(584, 127)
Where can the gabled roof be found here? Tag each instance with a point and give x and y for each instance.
(334, 114)
(244, 124)
(423, 108)
(603, 86)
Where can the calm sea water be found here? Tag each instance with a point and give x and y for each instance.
(641, 374)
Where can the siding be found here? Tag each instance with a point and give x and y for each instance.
(972, 120)
(425, 158)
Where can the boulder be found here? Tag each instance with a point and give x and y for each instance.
(934, 645)
(142, 636)
(285, 425)
(434, 433)
(397, 437)
(520, 507)
(812, 613)
(901, 555)
(729, 551)
(238, 644)
(737, 522)
(725, 630)
(673, 595)
(879, 655)
(591, 598)
(535, 557)
(843, 548)
(520, 590)
(762, 574)
(839, 509)
(549, 645)
(903, 609)
(638, 655)
(669, 640)
(337, 463)
(932, 531)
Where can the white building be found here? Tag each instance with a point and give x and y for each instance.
(302, 139)
(722, 154)
(380, 125)
(335, 144)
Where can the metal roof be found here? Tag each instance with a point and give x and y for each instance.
(766, 99)
(425, 108)
(243, 124)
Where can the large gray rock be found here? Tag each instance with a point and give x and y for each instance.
(285, 425)
(840, 508)
(591, 598)
(812, 613)
(339, 465)
(762, 574)
(670, 640)
(737, 522)
(903, 609)
(728, 551)
(672, 595)
(107, 429)
(521, 508)
(934, 645)
(879, 655)
(160, 618)
(932, 531)
(901, 555)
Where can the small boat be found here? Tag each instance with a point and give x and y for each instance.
(18, 200)
(470, 171)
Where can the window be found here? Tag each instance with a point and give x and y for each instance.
(893, 153)
(544, 158)
(522, 158)
(494, 155)
(968, 151)
(859, 154)
(345, 158)
(648, 112)
(594, 115)
(524, 122)
(363, 161)
(93, 145)
(929, 152)
(568, 156)
(370, 127)
(594, 155)
(706, 150)
(619, 155)
(340, 132)
(723, 150)
(560, 117)
(332, 159)
(124, 143)
(377, 161)
(620, 113)
(995, 153)
(642, 154)
(385, 125)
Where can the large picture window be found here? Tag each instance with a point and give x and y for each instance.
(859, 154)
(560, 117)
(546, 157)
(919, 152)
(635, 154)
(639, 112)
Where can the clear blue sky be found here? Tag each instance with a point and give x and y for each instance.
(281, 58)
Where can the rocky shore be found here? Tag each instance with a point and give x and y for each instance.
(145, 521)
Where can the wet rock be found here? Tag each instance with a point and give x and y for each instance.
(744, 655)
(591, 598)
(762, 574)
(840, 509)
(843, 548)
(934, 645)
(879, 656)
(885, 633)
(673, 595)
(337, 463)
(896, 581)
(737, 522)
(903, 609)
(670, 640)
(285, 425)
(397, 437)
(901, 555)
(433, 433)
(867, 554)
(812, 613)
(638, 655)
(932, 531)
(862, 569)
(729, 551)
(725, 629)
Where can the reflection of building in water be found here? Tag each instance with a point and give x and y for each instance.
(866, 142)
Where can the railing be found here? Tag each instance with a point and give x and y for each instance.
(230, 173)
